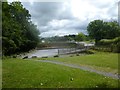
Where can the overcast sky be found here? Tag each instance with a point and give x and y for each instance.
(69, 16)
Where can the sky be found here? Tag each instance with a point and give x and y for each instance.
(64, 17)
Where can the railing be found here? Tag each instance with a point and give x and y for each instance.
(71, 50)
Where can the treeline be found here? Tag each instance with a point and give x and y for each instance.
(98, 29)
(106, 35)
(78, 37)
(19, 34)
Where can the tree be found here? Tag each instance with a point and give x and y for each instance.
(80, 37)
(112, 29)
(18, 32)
(95, 30)
(98, 30)
(70, 37)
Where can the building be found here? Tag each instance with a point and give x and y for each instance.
(119, 12)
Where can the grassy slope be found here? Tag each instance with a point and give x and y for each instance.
(103, 61)
(0, 73)
(18, 73)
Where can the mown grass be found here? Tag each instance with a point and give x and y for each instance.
(0, 73)
(18, 73)
(103, 61)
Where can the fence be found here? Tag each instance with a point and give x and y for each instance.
(71, 50)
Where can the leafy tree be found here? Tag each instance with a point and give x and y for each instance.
(18, 32)
(80, 37)
(95, 29)
(112, 30)
(70, 37)
(98, 30)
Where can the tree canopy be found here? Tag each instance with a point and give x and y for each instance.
(80, 37)
(18, 32)
(98, 29)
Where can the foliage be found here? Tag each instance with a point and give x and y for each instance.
(98, 29)
(105, 42)
(55, 39)
(70, 37)
(80, 37)
(94, 29)
(113, 44)
(18, 32)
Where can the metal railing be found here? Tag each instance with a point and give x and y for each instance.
(71, 50)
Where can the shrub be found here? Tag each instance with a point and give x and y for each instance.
(45, 57)
(105, 42)
(56, 56)
(87, 52)
(77, 54)
(112, 45)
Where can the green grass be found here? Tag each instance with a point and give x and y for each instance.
(0, 73)
(102, 61)
(18, 73)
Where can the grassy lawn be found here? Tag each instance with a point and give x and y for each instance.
(18, 73)
(0, 73)
(102, 61)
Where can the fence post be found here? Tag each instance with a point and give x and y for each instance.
(58, 52)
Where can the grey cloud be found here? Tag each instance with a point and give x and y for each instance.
(72, 26)
(44, 13)
(59, 32)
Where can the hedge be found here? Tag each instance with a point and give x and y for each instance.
(112, 44)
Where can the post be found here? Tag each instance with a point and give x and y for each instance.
(58, 52)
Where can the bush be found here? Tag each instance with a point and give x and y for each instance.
(88, 52)
(45, 57)
(112, 45)
(105, 42)
(56, 56)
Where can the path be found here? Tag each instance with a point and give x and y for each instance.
(82, 68)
